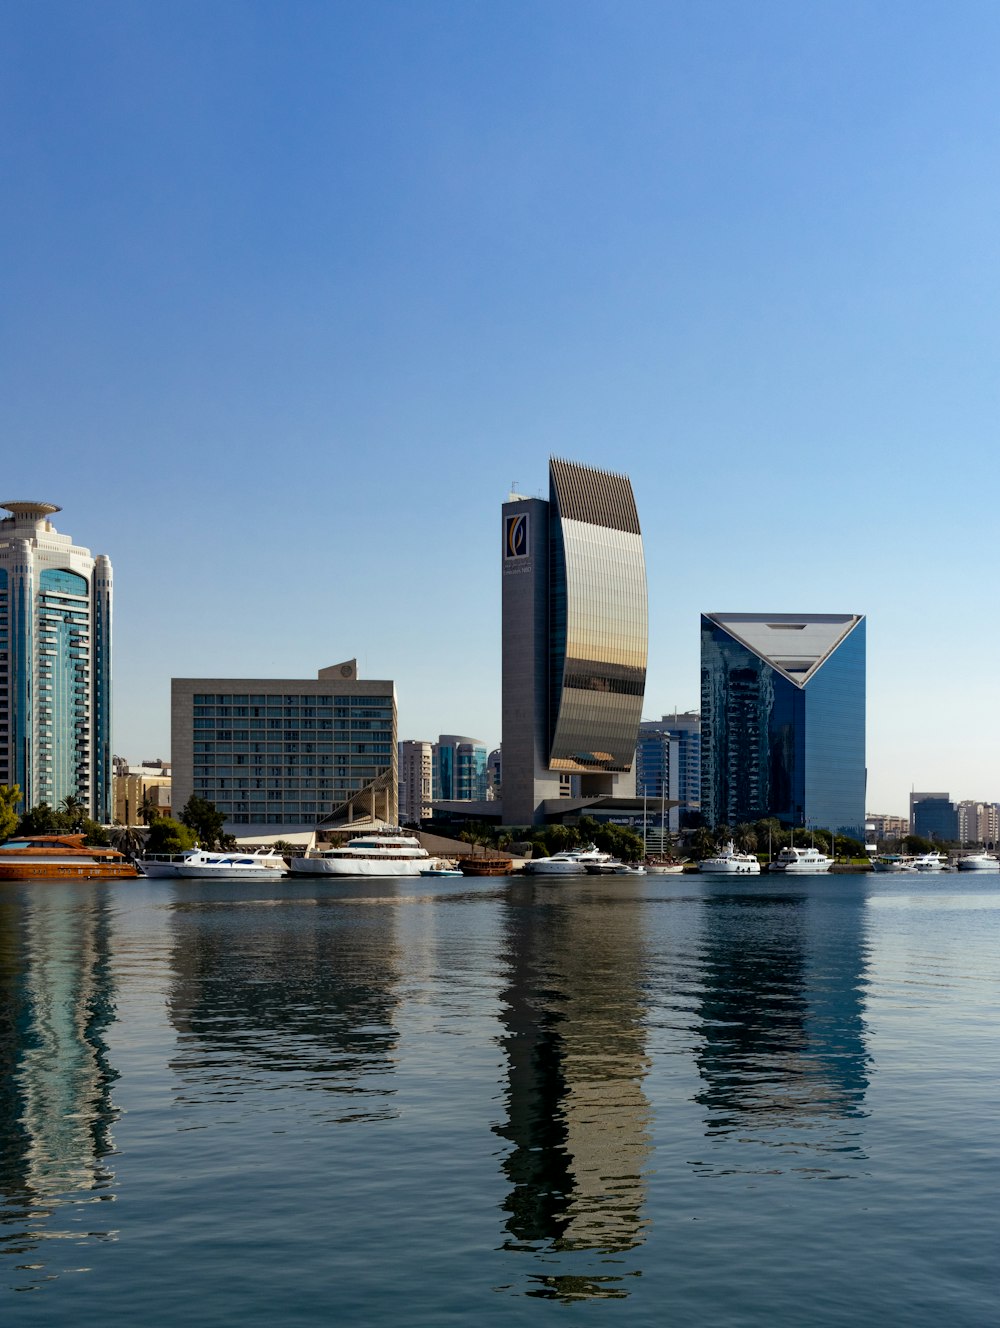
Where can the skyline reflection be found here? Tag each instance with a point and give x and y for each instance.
(577, 1115)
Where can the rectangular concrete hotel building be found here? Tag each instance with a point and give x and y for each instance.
(283, 755)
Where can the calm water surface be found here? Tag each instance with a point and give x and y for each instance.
(677, 1101)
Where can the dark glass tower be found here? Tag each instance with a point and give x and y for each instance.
(783, 719)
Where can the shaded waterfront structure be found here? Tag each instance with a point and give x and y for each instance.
(574, 643)
(783, 719)
(55, 663)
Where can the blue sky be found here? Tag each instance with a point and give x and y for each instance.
(293, 292)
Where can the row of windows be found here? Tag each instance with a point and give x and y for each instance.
(291, 712)
(226, 734)
(353, 702)
(224, 754)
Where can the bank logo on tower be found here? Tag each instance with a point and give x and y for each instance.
(516, 536)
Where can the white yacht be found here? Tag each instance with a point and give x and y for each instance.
(387, 852)
(663, 867)
(195, 862)
(930, 862)
(570, 862)
(981, 861)
(615, 867)
(801, 862)
(893, 862)
(731, 862)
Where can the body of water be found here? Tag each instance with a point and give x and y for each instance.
(667, 1101)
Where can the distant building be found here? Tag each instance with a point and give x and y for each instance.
(934, 817)
(668, 763)
(978, 822)
(285, 755)
(783, 719)
(924, 797)
(884, 827)
(574, 641)
(141, 791)
(459, 769)
(416, 780)
(55, 663)
(494, 775)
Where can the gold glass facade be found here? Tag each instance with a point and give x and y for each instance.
(598, 621)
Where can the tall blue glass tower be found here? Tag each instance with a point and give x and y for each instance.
(783, 719)
(55, 663)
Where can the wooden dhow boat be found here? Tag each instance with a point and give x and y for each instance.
(61, 858)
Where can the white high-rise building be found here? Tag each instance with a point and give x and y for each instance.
(55, 663)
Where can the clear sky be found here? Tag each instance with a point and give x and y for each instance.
(293, 292)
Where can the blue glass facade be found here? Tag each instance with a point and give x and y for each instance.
(936, 818)
(55, 664)
(459, 769)
(776, 746)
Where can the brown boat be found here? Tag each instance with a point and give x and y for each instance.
(485, 866)
(60, 858)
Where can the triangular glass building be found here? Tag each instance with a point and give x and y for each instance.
(783, 719)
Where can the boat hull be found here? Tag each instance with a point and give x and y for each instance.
(181, 871)
(67, 871)
(721, 867)
(976, 864)
(360, 867)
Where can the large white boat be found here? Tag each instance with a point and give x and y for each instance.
(930, 862)
(981, 861)
(383, 853)
(731, 862)
(801, 862)
(570, 862)
(195, 862)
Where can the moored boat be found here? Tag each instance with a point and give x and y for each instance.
(893, 862)
(61, 858)
(387, 852)
(801, 862)
(196, 863)
(568, 862)
(614, 867)
(981, 861)
(441, 867)
(930, 862)
(731, 863)
(664, 866)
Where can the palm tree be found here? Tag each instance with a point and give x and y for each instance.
(128, 839)
(74, 810)
(703, 842)
(746, 837)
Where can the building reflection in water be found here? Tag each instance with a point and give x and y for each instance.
(577, 1117)
(781, 1020)
(288, 993)
(56, 1112)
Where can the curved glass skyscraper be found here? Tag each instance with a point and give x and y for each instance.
(783, 719)
(574, 639)
(55, 663)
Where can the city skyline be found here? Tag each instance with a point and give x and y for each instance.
(298, 297)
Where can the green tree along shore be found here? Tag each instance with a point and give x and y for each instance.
(200, 823)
